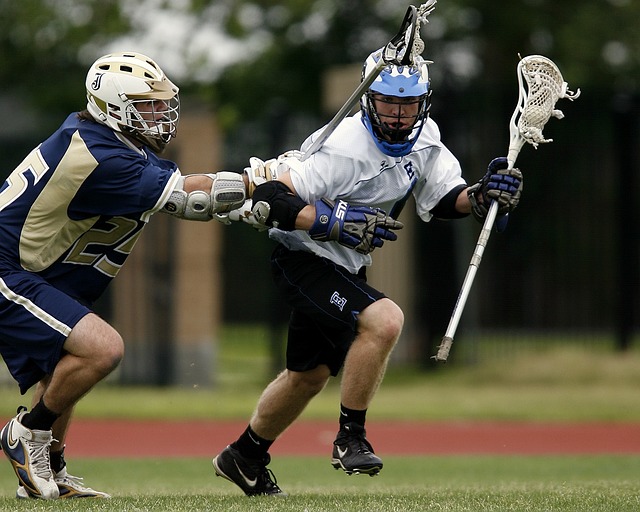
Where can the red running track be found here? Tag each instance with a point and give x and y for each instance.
(116, 438)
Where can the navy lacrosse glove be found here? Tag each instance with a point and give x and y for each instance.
(498, 184)
(358, 227)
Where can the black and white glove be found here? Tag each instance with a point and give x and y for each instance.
(358, 227)
(498, 184)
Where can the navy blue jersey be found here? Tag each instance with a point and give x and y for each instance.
(73, 209)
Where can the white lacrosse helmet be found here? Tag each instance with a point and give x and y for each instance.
(130, 93)
(395, 82)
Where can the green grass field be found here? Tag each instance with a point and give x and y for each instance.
(536, 384)
(482, 483)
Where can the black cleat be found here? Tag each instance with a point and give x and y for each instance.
(353, 453)
(251, 475)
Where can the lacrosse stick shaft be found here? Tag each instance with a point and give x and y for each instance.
(476, 258)
(344, 111)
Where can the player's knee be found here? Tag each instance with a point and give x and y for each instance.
(310, 382)
(110, 354)
(97, 343)
(383, 320)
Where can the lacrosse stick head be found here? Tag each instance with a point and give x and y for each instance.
(407, 44)
(541, 86)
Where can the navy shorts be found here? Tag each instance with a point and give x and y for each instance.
(35, 320)
(325, 299)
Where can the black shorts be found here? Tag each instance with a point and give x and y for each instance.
(325, 299)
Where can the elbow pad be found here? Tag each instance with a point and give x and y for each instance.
(446, 208)
(227, 193)
(274, 205)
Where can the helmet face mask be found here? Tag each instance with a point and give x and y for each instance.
(129, 93)
(152, 122)
(393, 118)
(396, 105)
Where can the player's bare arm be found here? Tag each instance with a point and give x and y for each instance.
(463, 204)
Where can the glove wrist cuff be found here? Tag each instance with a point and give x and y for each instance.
(321, 228)
(478, 209)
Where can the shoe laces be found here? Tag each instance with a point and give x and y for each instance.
(268, 478)
(254, 467)
(262, 472)
(363, 444)
(39, 457)
(74, 481)
(357, 439)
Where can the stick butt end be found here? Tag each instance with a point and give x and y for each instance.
(443, 349)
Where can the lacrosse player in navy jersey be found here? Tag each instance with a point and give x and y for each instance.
(319, 210)
(70, 214)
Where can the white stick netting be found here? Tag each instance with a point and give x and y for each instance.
(544, 87)
(423, 11)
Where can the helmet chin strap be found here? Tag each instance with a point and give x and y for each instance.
(157, 144)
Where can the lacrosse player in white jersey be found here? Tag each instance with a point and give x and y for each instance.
(328, 212)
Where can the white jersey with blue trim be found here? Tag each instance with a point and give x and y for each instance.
(349, 166)
(74, 208)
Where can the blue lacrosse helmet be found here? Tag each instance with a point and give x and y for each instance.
(395, 136)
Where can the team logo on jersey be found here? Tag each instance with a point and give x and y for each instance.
(95, 85)
(336, 300)
(408, 167)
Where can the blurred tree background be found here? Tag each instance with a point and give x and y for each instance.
(569, 257)
(241, 56)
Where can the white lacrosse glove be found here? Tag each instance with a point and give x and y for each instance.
(261, 171)
(242, 214)
(289, 156)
